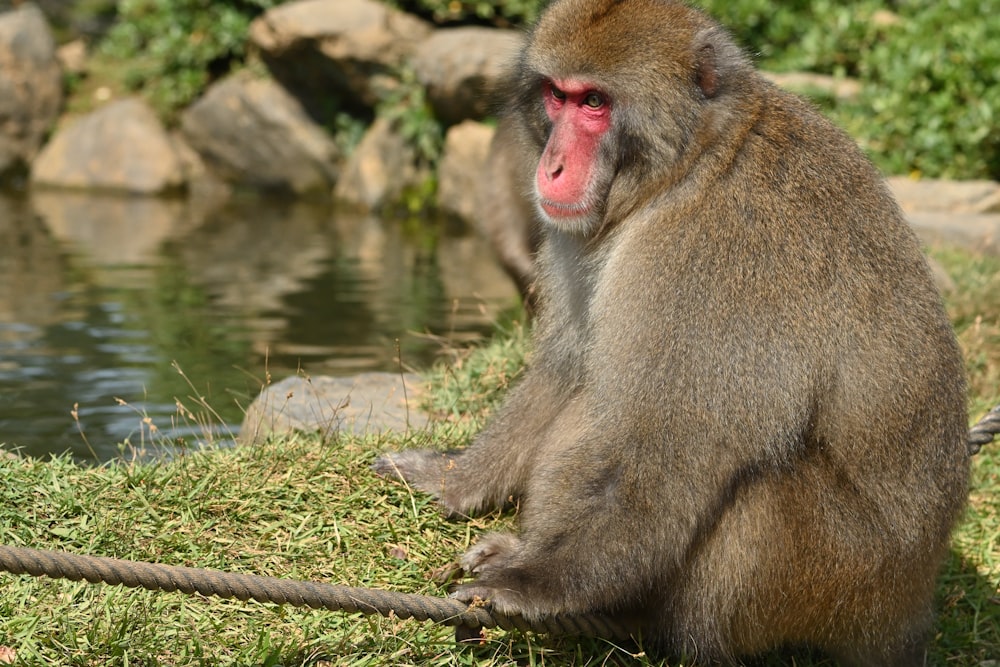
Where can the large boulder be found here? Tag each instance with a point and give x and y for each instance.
(978, 232)
(810, 83)
(121, 146)
(366, 403)
(461, 67)
(462, 168)
(251, 132)
(30, 85)
(945, 196)
(381, 168)
(335, 54)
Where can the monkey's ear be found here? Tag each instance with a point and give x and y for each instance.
(707, 71)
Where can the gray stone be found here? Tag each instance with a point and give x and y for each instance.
(365, 403)
(30, 85)
(121, 146)
(335, 52)
(251, 132)
(462, 166)
(928, 195)
(804, 83)
(72, 56)
(461, 67)
(979, 232)
(380, 169)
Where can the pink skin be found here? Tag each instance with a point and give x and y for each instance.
(580, 116)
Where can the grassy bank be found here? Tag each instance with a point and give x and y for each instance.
(306, 509)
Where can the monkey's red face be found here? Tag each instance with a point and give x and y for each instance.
(566, 179)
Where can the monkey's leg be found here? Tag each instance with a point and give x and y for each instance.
(798, 559)
(493, 471)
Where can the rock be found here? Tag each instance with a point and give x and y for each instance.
(252, 132)
(381, 168)
(883, 18)
(805, 82)
(462, 166)
(121, 146)
(365, 403)
(30, 85)
(978, 232)
(940, 196)
(942, 279)
(460, 67)
(72, 56)
(335, 53)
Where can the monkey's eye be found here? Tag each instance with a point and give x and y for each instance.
(593, 100)
(556, 93)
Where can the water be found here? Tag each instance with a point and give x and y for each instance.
(125, 307)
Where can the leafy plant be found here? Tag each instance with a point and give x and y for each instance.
(502, 12)
(930, 73)
(404, 103)
(933, 92)
(175, 47)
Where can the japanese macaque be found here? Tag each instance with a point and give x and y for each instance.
(744, 423)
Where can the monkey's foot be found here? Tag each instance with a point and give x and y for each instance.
(504, 601)
(492, 551)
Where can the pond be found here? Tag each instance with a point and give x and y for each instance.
(129, 322)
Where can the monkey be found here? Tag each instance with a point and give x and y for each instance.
(743, 423)
(507, 217)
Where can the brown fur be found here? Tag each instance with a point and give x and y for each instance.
(745, 419)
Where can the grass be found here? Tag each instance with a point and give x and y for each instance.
(299, 507)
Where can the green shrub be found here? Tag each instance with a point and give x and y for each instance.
(501, 12)
(932, 92)
(174, 47)
(812, 35)
(931, 76)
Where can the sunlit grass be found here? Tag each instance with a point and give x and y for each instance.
(299, 507)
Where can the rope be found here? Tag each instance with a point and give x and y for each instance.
(156, 577)
(984, 430)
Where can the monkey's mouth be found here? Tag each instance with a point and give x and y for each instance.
(555, 209)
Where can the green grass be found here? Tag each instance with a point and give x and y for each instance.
(301, 508)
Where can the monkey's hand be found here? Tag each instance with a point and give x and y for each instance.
(427, 471)
(459, 479)
(498, 580)
(492, 551)
(420, 468)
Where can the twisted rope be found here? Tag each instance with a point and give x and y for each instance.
(156, 577)
(984, 430)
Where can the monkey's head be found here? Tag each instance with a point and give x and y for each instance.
(616, 96)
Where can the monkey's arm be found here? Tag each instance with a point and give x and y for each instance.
(494, 470)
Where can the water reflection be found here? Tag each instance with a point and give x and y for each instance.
(152, 301)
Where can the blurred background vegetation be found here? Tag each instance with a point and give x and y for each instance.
(929, 69)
